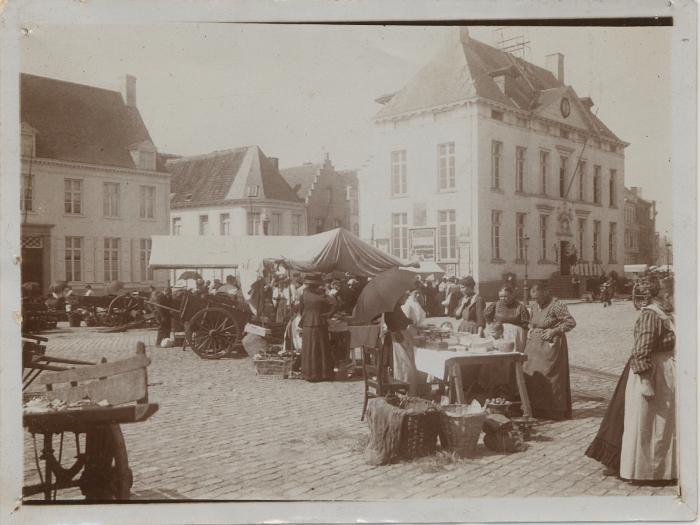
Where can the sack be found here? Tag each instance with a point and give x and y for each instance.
(166, 343)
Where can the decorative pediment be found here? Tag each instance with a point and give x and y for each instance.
(582, 213)
(544, 207)
(564, 106)
(565, 216)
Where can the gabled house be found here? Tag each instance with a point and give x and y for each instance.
(233, 192)
(93, 189)
(330, 196)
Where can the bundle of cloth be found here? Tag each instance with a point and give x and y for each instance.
(385, 421)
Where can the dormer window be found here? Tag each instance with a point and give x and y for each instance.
(144, 155)
(28, 141)
(497, 115)
(253, 191)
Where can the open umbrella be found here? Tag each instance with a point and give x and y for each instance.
(189, 274)
(381, 293)
(57, 287)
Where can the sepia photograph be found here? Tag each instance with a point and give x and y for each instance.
(307, 260)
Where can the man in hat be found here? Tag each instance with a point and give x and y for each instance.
(315, 307)
(163, 315)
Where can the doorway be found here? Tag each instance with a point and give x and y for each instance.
(564, 258)
(33, 266)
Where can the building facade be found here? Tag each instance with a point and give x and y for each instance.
(232, 193)
(640, 228)
(331, 197)
(93, 189)
(491, 165)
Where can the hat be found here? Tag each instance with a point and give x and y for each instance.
(468, 281)
(313, 278)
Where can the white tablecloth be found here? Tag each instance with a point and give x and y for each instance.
(434, 362)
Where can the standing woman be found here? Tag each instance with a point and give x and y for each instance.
(649, 437)
(316, 355)
(471, 308)
(547, 366)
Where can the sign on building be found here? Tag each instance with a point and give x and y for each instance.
(422, 243)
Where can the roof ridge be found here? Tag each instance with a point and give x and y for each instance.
(211, 154)
(89, 86)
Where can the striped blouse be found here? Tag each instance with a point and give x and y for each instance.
(651, 334)
(557, 317)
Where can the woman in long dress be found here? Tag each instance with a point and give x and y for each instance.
(649, 437)
(547, 366)
(316, 354)
(513, 317)
(471, 308)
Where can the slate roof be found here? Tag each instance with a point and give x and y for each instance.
(80, 123)
(466, 69)
(301, 178)
(225, 176)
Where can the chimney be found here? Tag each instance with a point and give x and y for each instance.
(587, 102)
(555, 64)
(636, 191)
(275, 162)
(129, 90)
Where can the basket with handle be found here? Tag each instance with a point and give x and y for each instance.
(420, 426)
(460, 432)
(271, 365)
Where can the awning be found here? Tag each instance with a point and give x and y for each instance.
(636, 268)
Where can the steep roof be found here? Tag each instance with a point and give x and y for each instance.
(225, 176)
(80, 123)
(468, 68)
(301, 178)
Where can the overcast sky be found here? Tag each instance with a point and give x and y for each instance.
(302, 91)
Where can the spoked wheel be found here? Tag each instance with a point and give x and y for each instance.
(125, 308)
(213, 333)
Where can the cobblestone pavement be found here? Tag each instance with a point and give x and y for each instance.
(223, 433)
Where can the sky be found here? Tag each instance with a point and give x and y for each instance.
(300, 92)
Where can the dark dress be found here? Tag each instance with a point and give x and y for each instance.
(316, 354)
(163, 317)
(547, 366)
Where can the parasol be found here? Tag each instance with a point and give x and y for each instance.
(57, 287)
(382, 292)
(189, 274)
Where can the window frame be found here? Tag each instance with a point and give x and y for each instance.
(203, 224)
(69, 193)
(563, 175)
(26, 192)
(446, 166)
(145, 248)
(447, 241)
(399, 182)
(176, 226)
(254, 223)
(399, 235)
(147, 198)
(225, 224)
(612, 188)
(496, 164)
(544, 234)
(111, 201)
(112, 256)
(597, 231)
(581, 231)
(276, 223)
(597, 180)
(583, 165)
(612, 243)
(73, 265)
(520, 234)
(520, 152)
(544, 171)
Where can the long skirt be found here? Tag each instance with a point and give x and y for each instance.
(649, 438)
(316, 355)
(404, 367)
(605, 447)
(503, 374)
(547, 376)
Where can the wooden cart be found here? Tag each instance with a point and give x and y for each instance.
(100, 467)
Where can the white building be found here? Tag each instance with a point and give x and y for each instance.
(231, 193)
(473, 167)
(93, 187)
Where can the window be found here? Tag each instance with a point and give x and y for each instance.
(446, 166)
(399, 235)
(596, 241)
(204, 224)
(147, 159)
(581, 236)
(398, 172)
(26, 201)
(612, 190)
(320, 224)
(177, 226)
(225, 224)
(447, 231)
(276, 224)
(74, 247)
(147, 202)
(563, 167)
(296, 224)
(111, 199)
(144, 258)
(544, 219)
(253, 191)
(27, 144)
(111, 259)
(519, 169)
(496, 235)
(596, 185)
(254, 224)
(496, 151)
(73, 196)
(612, 243)
(582, 181)
(520, 236)
(544, 171)
(497, 115)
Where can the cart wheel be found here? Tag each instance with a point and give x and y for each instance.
(213, 333)
(126, 308)
(107, 475)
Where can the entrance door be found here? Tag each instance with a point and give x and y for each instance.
(32, 265)
(564, 256)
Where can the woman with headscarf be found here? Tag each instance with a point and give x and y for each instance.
(649, 437)
(316, 354)
(547, 366)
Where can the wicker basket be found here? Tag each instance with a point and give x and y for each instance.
(420, 427)
(460, 433)
(277, 367)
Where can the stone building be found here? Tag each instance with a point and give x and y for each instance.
(489, 164)
(93, 188)
(330, 196)
(233, 192)
(640, 228)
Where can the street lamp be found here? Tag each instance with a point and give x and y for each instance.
(526, 290)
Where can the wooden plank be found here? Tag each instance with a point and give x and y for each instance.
(257, 330)
(96, 371)
(86, 418)
(122, 388)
